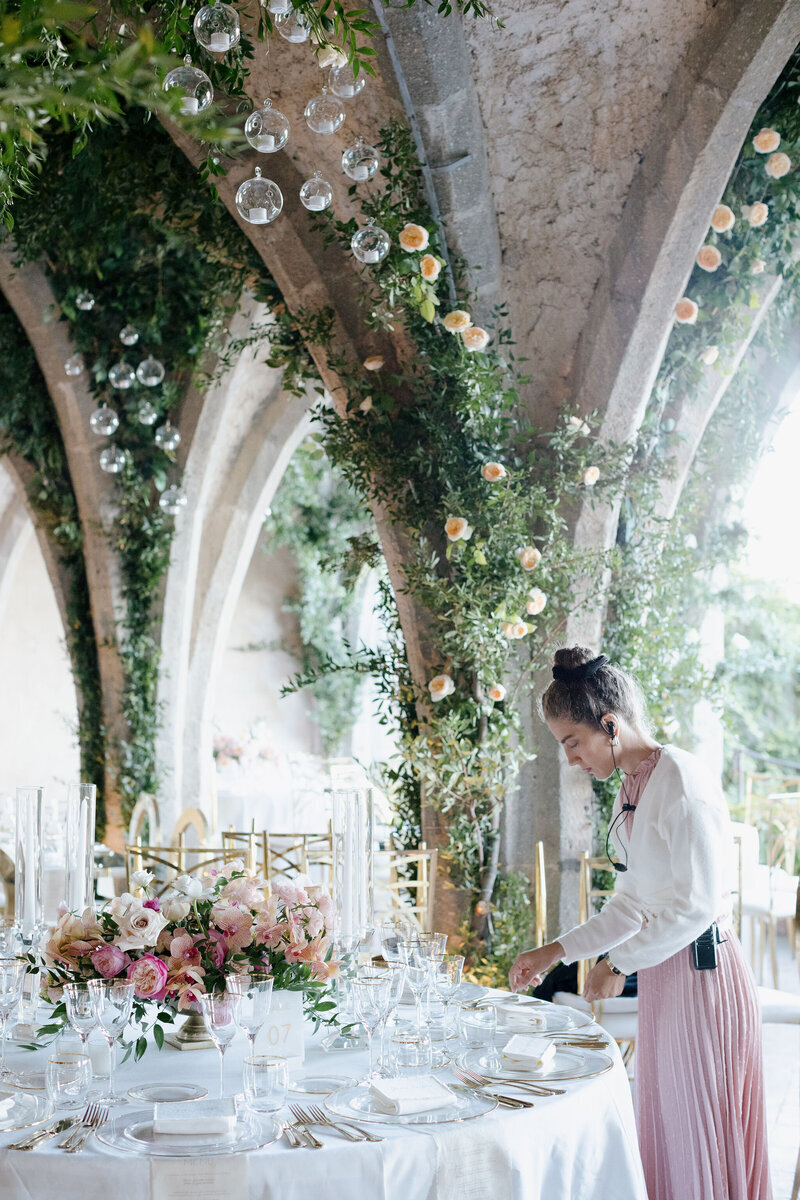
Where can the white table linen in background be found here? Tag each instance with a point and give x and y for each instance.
(580, 1146)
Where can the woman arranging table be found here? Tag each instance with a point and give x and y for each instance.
(699, 1080)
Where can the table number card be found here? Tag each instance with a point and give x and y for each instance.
(283, 1032)
(223, 1177)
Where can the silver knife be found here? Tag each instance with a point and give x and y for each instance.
(42, 1135)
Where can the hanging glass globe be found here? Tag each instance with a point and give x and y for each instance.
(194, 84)
(112, 459)
(150, 372)
(279, 7)
(371, 244)
(266, 129)
(84, 301)
(292, 25)
(122, 375)
(259, 200)
(146, 414)
(324, 113)
(104, 421)
(344, 84)
(74, 365)
(172, 500)
(129, 335)
(316, 193)
(360, 161)
(167, 437)
(216, 27)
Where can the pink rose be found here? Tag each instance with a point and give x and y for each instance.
(108, 961)
(149, 976)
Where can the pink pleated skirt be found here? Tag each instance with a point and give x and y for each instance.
(699, 1080)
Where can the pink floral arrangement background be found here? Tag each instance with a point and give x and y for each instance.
(187, 941)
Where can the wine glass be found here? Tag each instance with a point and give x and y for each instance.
(12, 977)
(370, 998)
(446, 981)
(219, 1012)
(113, 1001)
(254, 989)
(80, 1008)
(390, 932)
(415, 959)
(395, 974)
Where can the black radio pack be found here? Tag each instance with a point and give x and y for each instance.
(704, 948)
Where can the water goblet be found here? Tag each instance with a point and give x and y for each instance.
(265, 1082)
(254, 989)
(446, 981)
(113, 1001)
(370, 999)
(390, 932)
(410, 1052)
(476, 1026)
(67, 1078)
(219, 1012)
(415, 959)
(80, 1008)
(12, 978)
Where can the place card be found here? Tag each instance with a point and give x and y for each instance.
(221, 1177)
(283, 1032)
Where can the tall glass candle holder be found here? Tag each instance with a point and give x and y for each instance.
(353, 840)
(28, 864)
(79, 856)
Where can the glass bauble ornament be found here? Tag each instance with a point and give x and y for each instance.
(74, 365)
(146, 414)
(84, 301)
(293, 26)
(129, 335)
(167, 437)
(371, 244)
(316, 193)
(344, 84)
(324, 113)
(259, 200)
(266, 129)
(172, 500)
(112, 459)
(216, 27)
(104, 421)
(193, 84)
(150, 372)
(360, 161)
(122, 375)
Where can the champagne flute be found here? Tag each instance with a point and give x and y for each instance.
(12, 978)
(254, 989)
(219, 1012)
(370, 997)
(113, 1001)
(80, 1008)
(446, 981)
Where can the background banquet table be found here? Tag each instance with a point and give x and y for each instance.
(581, 1145)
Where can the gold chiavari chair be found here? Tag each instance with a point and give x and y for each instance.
(168, 862)
(290, 854)
(540, 897)
(406, 886)
(190, 820)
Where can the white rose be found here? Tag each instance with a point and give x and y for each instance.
(189, 885)
(120, 904)
(497, 693)
(139, 927)
(441, 686)
(458, 529)
(710, 355)
(537, 602)
(329, 56)
(142, 879)
(579, 425)
(175, 909)
(591, 476)
(757, 266)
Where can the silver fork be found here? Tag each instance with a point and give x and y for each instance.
(41, 1135)
(315, 1116)
(366, 1134)
(522, 1085)
(503, 1101)
(92, 1119)
(301, 1125)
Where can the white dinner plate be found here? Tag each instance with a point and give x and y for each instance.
(359, 1104)
(568, 1063)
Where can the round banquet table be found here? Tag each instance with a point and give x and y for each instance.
(580, 1146)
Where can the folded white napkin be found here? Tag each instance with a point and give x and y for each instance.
(195, 1117)
(537, 1052)
(410, 1094)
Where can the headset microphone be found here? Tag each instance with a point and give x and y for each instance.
(610, 728)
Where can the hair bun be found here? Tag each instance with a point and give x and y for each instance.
(572, 656)
(583, 670)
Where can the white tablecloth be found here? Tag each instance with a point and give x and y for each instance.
(580, 1146)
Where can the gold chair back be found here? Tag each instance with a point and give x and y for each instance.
(168, 862)
(145, 823)
(540, 897)
(411, 886)
(191, 819)
(290, 854)
(589, 894)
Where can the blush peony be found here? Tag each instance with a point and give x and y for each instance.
(149, 977)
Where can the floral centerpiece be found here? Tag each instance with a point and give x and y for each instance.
(186, 942)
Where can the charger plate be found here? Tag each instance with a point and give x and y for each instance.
(357, 1103)
(132, 1132)
(320, 1085)
(28, 1109)
(568, 1063)
(543, 1018)
(165, 1093)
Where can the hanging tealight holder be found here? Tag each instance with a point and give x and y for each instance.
(104, 421)
(129, 335)
(167, 437)
(258, 200)
(371, 244)
(266, 129)
(84, 301)
(146, 414)
(293, 26)
(150, 372)
(344, 84)
(316, 193)
(216, 27)
(74, 365)
(172, 500)
(112, 459)
(324, 113)
(360, 161)
(122, 375)
(194, 84)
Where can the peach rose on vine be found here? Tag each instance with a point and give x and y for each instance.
(430, 267)
(457, 321)
(475, 338)
(708, 258)
(441, 686)
(413, 237)
(493, 472)
(529, 557)
(766, 140)
(686, 311)
(458, 529)
(722, 218)
(778, 165)
(497, 693)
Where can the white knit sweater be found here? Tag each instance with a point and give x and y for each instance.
(677, 880)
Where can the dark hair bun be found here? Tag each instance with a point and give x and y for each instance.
(572, 656)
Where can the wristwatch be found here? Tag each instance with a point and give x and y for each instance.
(611, 967)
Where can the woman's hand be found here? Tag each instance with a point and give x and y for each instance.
(529, 967)
(602, 983)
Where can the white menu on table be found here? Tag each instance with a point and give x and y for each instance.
(221, 1177)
